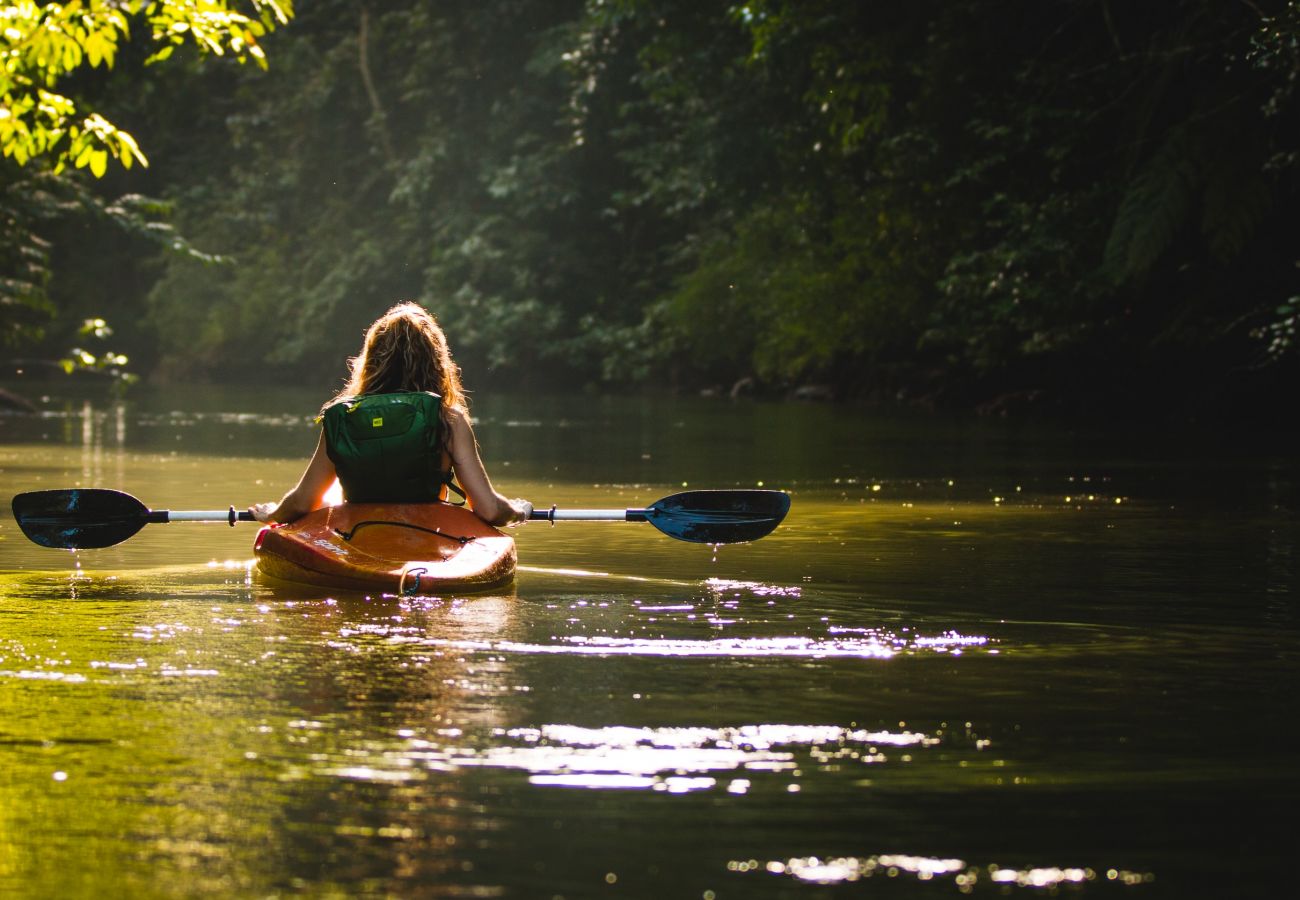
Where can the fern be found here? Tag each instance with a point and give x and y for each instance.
(1156, 207)
(1195, 169)
(1236, 201)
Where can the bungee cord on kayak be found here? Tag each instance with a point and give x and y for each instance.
(347, 535)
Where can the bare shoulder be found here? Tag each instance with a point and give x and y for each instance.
(458, 423)
(457, 416)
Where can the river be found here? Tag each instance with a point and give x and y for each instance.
(978, 658)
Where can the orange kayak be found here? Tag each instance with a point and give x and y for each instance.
(400, 548)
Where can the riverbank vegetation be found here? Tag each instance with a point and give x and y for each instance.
(1066, 205)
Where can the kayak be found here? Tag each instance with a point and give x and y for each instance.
(401, 548)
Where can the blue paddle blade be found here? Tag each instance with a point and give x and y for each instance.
(719, 517)
(80, 518)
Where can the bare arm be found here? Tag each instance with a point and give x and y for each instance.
(489, 505)
(307, 495)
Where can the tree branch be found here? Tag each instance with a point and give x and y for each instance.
(378, 116)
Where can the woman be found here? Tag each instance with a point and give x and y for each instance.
(405, 351)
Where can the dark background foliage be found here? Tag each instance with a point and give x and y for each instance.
(1070, 205)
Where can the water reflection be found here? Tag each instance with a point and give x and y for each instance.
(664, 758)
(970, 661)
(883, 645)
(965, 877)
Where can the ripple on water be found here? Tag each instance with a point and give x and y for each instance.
(965, 876)
(667, 759)
(879, 644)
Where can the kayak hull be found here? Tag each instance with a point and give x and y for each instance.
(400, 548)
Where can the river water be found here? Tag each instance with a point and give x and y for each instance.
(978, 658)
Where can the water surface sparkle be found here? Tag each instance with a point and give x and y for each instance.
(881, 645)
(841, 869)
(672, 759)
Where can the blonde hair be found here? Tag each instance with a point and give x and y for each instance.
(406, 350)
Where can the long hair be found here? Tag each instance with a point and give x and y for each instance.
(405, 350)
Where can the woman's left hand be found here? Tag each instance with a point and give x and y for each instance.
(262, 512)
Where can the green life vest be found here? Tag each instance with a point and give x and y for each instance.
(385, 447)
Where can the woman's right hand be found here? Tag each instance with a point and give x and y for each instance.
(522, 510)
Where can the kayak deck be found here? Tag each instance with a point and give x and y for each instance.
(403, 548)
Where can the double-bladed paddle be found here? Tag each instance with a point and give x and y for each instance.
(90, 518)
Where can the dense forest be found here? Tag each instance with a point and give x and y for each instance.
(1066, 205)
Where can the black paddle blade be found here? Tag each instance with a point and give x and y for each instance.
(719, 517)
(80, 518)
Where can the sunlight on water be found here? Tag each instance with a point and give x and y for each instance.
(592, 574)
(70, 678)
(884, 645)
(722, 586)
(965, 877)
(674, 760)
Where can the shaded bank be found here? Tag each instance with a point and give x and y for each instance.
(1081, 208)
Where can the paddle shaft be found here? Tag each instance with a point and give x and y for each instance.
(155, 516)
(230, 516)
(589, 515)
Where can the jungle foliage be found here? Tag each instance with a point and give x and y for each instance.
(944, 201)
(44, 130)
